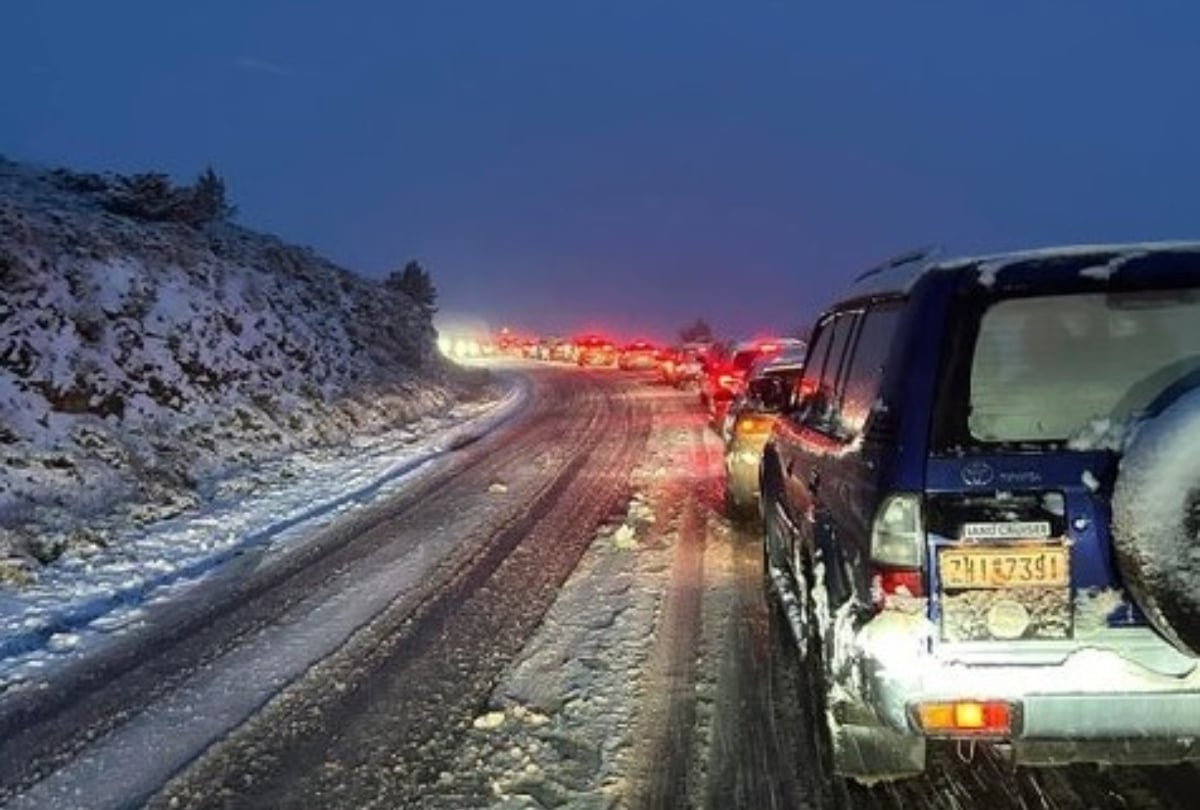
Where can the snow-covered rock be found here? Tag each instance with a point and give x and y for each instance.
(144, 363)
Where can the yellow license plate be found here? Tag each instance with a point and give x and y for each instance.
(1033, 566)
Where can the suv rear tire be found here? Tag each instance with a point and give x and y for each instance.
(1156, 519)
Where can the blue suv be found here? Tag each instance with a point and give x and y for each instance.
(981, 509)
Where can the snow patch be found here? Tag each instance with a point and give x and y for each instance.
(1093, 606)
(1105, 271)
(1101, 434)
(625, 537)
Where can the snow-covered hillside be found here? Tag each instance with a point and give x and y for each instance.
(143, 363)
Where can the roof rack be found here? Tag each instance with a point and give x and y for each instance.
(909, 257)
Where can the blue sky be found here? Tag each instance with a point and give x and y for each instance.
(631, 163)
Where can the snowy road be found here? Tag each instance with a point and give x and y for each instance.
(557, 615)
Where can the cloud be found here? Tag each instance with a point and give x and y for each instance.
(254, 63)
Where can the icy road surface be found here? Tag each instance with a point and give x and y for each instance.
(557, 615)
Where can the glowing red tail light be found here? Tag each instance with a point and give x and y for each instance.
(896, 582)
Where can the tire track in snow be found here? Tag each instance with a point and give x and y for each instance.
(667, 731)
(405, 691)
(179, 657)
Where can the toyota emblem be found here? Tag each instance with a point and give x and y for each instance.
(978, 474)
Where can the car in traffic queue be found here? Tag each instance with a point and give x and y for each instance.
(595, 351)
(685, 365)
(980, 512)
(555, 350)
(528, 348)
(748, 424)
(665, 360)
(725, 373)
(640, 355)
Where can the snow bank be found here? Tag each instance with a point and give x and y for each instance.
(87, 598)
(144, 365)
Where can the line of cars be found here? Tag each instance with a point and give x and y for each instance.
(584, 350)
(978, 489)
(742, 387)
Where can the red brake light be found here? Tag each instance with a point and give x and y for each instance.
(890, 582)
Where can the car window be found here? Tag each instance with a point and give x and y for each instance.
(1046, 368)
(819, 386)
(865, 370)
(810, 381)
(744, 359)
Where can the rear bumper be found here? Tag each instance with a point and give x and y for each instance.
(1093, 704)
(741, 472)
(742, 461)
(1112, 716)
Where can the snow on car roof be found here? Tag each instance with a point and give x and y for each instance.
(779, 344)
(898, 275)
(791, 360)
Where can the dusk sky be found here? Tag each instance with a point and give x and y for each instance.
(631, 163)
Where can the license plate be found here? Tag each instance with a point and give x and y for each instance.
(1032, 566)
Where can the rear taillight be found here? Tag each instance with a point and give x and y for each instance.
(987, 718)
(898, 548)
(753, 425)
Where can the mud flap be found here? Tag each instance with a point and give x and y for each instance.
(870, 754)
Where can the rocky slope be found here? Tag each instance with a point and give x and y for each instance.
(144, 361)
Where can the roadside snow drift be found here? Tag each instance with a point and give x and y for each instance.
(145, 363)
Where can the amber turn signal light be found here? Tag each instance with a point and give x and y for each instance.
(754, 425)
(988, 717)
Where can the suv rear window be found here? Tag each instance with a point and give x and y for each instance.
(744, 359)
(1047, 368)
